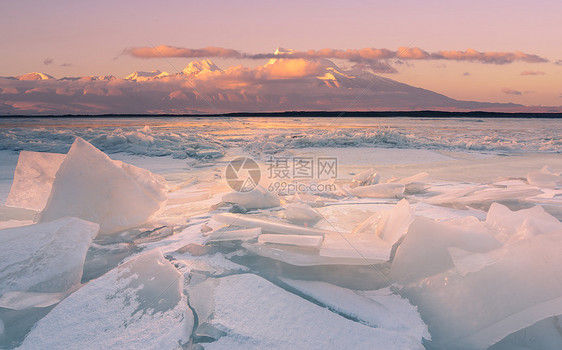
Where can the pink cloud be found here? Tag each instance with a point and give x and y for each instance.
(365, 55)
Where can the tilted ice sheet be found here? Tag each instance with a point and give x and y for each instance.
(46, 257)
(93, 187)
(138, 305)
(33, 179)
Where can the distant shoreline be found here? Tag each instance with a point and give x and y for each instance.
(315, 114)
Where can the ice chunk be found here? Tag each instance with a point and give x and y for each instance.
(235, 235)
(355, 246)
(365, 178)
(33, 179)
(267, 226)
(544, 178)
(387, 190)
(138, 305)
(394, 223)
(424, 253)
(258, 198)
(298, 240)
(24, 300)
(91, 186)
(478, 309)
(302, 214)
(413, 179)
(46, 257)
(513, 225)
(379, 308)
(255, 314)
(482, 194)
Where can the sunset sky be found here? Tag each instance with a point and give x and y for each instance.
(77, 38)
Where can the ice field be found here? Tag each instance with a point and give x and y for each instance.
(433, 234)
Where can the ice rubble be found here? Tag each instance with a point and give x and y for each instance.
(255, 314)
(258, 198)
(142, 299)
(33, 178)
(478, 309)
(44, 258)
(385, 190)
(365, 178)
(91, 186)
(266, 225)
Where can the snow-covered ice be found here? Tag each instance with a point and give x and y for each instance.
(434, 237)
(140, 304)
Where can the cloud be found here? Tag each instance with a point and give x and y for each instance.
(47, 61)
(173, 51)
(532, 72)
(359, 56)
(559, 62)
(466, 74)
(511, 91)
(66, 65)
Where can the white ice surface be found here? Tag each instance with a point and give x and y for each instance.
(256, 314)
(138, 305)
(298, 240)
(386, 190)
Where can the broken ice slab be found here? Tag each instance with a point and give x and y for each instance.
(33, 178)
(514, 225)
(222, 235)
(478, 309)
(47, 257)
(298, 240)
(91, 186)
(394, 223)
(356, 246)
(412, 179)
(544, 178)
(365, 178)
(258, 198)
(267, 226)
(378, 308)
(305, 256)
(256, 314)
(139, 304)
(386, 190)
(423, 252)
(301, 214)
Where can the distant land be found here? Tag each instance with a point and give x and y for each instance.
(315, 114)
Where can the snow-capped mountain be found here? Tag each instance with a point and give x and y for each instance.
(281, 84)
(144, 76)
(35, 76)
(196, 67)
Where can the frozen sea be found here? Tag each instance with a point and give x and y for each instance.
(364, 233)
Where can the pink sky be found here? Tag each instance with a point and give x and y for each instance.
(75, 38)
